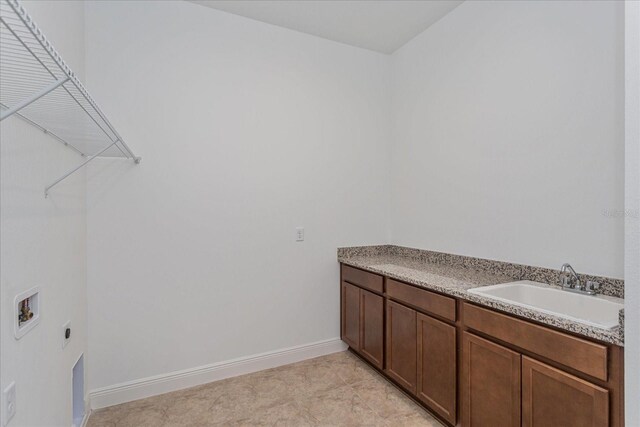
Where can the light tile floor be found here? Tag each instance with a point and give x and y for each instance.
(334, 390)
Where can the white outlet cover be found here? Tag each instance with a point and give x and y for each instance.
(9, 403)
(299, 234)
(65, 340)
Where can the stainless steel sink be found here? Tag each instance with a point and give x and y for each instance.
(599, 311)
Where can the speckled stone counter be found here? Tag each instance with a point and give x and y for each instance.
(454, 275)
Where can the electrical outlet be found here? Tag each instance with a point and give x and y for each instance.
(9, 402)
(66, 333)
(299, 234)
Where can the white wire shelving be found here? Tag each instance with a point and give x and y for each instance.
(37, 86)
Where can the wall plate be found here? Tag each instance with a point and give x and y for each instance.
(35, 304)
(9, 403)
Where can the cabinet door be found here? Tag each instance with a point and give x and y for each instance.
(401, 345)
(551, 397)
(490, 384)
(350, 315)
(372, 327)
(437, 366)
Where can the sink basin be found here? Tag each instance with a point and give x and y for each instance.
(599, 311)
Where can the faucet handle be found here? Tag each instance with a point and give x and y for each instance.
(565, 280)
(592, 285)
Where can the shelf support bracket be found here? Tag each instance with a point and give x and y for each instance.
(45, 130)
(66, 175)
(53, 86)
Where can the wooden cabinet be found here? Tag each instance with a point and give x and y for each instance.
(402, 344)
(490, 384)
(551, 397)
(362, 322)
(437, 374)
(421, 356)
(498, 384)
(566, 380)
(577, 353)
(372, 327)
(478, 366)
(350, 315)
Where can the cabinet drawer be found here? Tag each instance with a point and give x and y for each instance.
(579, 354)
(362, 278)
(421, 299)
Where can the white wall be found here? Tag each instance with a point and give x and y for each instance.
(632, 207)
(246, 131)
(508, 136)
(43, 243)
(503, 121)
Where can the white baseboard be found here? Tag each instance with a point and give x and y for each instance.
(85, 419)
(172, 381)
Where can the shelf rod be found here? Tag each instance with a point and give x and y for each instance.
(53, 86)
(66, 175)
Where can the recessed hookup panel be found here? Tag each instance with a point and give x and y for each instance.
(26, 311)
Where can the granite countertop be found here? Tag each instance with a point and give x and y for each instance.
(454, 275)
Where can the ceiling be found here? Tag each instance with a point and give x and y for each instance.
(382, 26)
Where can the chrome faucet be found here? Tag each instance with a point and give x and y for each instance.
(571, 282)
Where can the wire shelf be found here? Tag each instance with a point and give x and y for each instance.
(37, 86)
